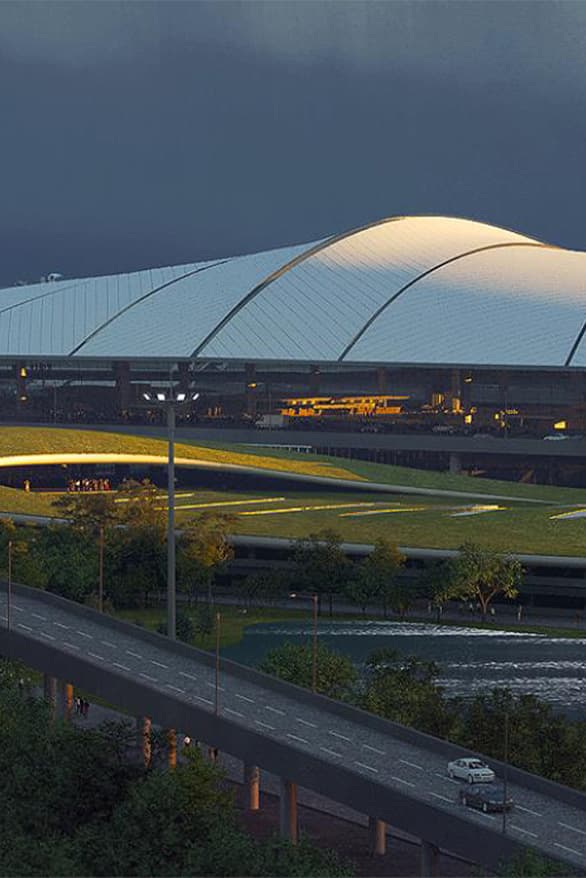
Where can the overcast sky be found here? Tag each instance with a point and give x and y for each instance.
(141, 134)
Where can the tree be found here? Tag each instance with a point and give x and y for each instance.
(202, 549)
(480, 574)
(403, 689)
(139, 504)
(266, 585)
(336, 675)
(87, 512)
(321, 567)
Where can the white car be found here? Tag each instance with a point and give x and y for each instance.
(471, 769)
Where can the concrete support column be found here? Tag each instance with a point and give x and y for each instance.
(172, 748)
(430, 855)
(252, 782)
(455, 463)
(50, 693)
(122, 378)
(143, 738)
(314, 378)
(377, 830)
(65, 701)
(250, 385)
(382, 380)
(213, 754)
(288, 824)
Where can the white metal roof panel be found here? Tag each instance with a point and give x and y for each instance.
(315, 308)
(174, 321)
(517, 306)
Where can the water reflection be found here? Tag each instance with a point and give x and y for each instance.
(471, 660)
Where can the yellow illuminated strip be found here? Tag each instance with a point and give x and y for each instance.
(575, 513)
(305, 508)
(229, 503)
(381, 511)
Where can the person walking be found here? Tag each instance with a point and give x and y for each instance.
(78, 704)
(86, 707)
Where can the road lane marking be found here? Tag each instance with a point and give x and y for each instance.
(306, 722)
(107, 643)
(213, 686)
(38, 616)
(175, 688)
(245, 698)
(573, 828)
(274, 709)
(297, 738)
(61, 625)
(443, 798)
(148, 677)
(259, 722)
(411, 764)
(49, 636)
(528, 810)
(368, 767)
(445, 777)
(400, 780)
(71, 645)
(331, 752)
(201, 698)
(338, 735)
(525, 831)
(158, 664)
(374, 749)
(565, 848)
(235, 712)
(118, 665)
(26, 627)
(189, 676)
(18, 609)
(95, 655)
(83, 634)
(135, 654)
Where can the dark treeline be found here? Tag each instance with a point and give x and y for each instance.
(74, 803)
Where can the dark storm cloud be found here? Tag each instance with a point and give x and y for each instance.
(143, 134)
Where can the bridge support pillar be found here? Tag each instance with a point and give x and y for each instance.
(172, 748)
(455, 463)
(288, 811)
(65, 701)
(50, 694)
(143, 738)
(430, 855)
(252, 782)
(377, 830)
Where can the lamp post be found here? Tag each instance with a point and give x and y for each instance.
(217, 705)
(101, 571)
(506, 771)
(9, 592)
(169, 401)
(314, 600)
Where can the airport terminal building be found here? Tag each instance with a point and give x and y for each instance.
(411, 323)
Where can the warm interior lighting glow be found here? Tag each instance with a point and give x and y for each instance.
(467, 419)
(23, 371)
(560, 425)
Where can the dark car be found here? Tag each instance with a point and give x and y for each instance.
(488, 797)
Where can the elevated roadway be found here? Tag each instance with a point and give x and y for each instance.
(382, 769)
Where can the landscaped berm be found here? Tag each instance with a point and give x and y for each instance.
(361, 501)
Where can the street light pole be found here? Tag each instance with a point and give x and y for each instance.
(314, 646)
(101, 571)
(9, 593)
(169, 401)
(171, 595)
(506, 772)
(218, 620)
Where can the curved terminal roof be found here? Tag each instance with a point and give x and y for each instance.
(420, 290)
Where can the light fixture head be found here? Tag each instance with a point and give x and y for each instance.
(194, 396)
(161, 397)
(147, 396)
(181, 397)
